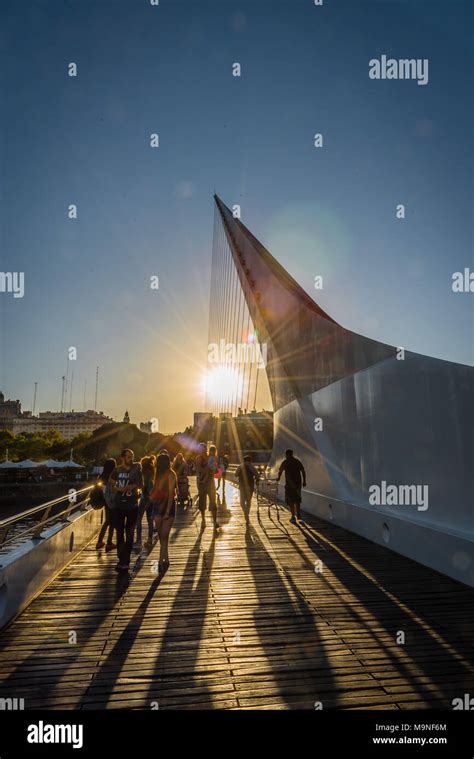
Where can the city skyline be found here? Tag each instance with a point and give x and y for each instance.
(23, 416)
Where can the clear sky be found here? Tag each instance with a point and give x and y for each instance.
(142, 69)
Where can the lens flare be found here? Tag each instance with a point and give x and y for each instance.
(221, 384)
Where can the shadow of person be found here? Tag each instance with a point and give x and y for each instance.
(384, 594)
(288, 632)
(53, 660)
(181, 646)
(223, 514)
(103, 685)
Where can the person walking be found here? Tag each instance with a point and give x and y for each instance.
(125, 482)
(213, 465)
(148, 475)
(163, 503)
(247, 477)
(223, 466)
(103, 482)
(206, 467)
(179, 466)
(181, 470)
(294, 475)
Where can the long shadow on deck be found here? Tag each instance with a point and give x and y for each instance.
(305, 649)
(102, 686)
(391, 604)
(49, 668)
(102, 689)
(367, 586)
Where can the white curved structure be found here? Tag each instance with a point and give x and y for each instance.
(398, 426)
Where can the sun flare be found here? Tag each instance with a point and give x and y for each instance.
(221, 384)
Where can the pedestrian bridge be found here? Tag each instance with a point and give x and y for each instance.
(385, 434)
(275, 616)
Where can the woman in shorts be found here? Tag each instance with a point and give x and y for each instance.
(163, 505)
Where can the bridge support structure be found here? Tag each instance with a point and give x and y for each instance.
(385, 435)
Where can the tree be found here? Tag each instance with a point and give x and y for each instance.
(110, 439)
(37, 445)
(8, 441)
(62, 449)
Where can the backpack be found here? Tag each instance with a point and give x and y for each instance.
(96, 497)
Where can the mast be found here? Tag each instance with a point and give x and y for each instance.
(96, 387)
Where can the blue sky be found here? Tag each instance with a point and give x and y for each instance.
(330, 211)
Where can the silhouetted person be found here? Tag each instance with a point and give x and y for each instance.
(125, 482)
(294, 476)
(181, 470)
(148, 475)
(223, 466)
(206, 467)
(104, 482)
(247, 477)
(163, 503)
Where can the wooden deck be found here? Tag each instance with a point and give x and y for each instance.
(242, 620)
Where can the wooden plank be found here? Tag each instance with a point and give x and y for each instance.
(243, 621)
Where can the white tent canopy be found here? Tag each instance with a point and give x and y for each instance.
(64, 464)
(50, 463)
(28, 464)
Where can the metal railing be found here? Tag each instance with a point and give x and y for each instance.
(261, 468)
(9, 535)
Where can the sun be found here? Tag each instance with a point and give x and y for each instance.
(221, 384)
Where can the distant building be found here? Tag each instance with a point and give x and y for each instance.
(126, 418)
(252, 431)
(68, 424)
(255, 429)
(203, 425)
(8, 411)
(201, 419)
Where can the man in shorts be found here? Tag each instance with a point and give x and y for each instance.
(206, 467)
(247, 477)
(294, 475)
